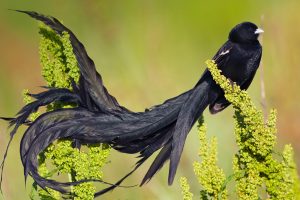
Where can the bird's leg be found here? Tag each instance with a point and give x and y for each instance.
(231, 83)
(76, 144)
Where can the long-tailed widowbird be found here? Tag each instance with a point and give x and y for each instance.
(98, 117)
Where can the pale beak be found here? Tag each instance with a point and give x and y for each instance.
(258, 31)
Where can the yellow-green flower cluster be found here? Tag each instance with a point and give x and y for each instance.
(209, 175)
(185, 189)
(81, 164)
(60, 68)
(254, 164)
(57, 58)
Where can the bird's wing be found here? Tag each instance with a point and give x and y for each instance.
(221, 58)
(223, 54)
(253, 62)
(92, 80)
(221, 103)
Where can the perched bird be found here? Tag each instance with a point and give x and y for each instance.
(98, 117)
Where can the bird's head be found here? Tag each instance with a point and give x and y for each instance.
(245, 32)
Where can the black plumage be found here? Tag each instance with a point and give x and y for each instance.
(99, 118)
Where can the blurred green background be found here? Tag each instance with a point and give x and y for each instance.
(148, 51)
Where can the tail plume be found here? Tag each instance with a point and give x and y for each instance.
(91, 78)
(42, 99)
(98, 118)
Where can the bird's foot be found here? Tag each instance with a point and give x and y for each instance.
(232, 84)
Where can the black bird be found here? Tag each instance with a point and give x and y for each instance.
(99, 118)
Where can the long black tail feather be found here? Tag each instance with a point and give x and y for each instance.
(90, 127)
(158, 163)
(99, 118)
(92, 79)
(48, 120)
(42, 99)
(189, 113)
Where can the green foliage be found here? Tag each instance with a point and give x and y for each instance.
(210, 176)
(57, 58)
(185, 187)
(59, 70)
(257, 170)
(82, 164)
(254, 164)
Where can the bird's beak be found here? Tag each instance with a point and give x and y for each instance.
(258, 31)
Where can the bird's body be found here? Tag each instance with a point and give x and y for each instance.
(100, 119)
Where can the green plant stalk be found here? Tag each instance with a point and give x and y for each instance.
(254, 163)
(257, 172)
(209, 175)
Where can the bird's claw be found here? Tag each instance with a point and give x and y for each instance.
(231, 83)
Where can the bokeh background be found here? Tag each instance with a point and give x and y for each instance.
(148, 51)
